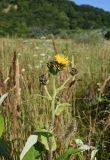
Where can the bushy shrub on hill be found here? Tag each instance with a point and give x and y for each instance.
(107, 35)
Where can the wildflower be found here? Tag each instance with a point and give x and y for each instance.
(35, 55)
(23, 70)
(43, 37)
(48, 40)
(61, 59)
(19, 54)
(37, 48)
(73, 71)
(41, 61)
(42, 54)
(87, 57)
(37, 66)
(52, 67)
(42, 79)
(58, 64)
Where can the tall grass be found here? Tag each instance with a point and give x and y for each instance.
(93, 65)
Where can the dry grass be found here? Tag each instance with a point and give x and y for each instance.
(30, 112)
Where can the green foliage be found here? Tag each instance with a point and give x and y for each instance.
(93, 37)
(31, 154)
(22, 29)
(5, 151)
(93, 154)
(32, 139)
(61, 108)
(72, 152)
(107, 35)
(2, 98)
(36, 144)
(1, 125)
(37, 18)
(44, 136)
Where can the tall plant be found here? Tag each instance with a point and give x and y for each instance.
(44, 140)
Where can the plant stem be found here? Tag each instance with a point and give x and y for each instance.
(63, 85)
(53, 102)
(47, 92)
(53, 97)
(50, 154)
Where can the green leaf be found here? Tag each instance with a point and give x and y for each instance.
(61, 108)
(39, 140)
(30, 142)
(2, 98)
(44, 137)
(43, 132)
(79, 142)
(2, 125)
(69, 153)
(80, 156)
(31, 154)
(5, 151)
(45, 141)
(93, 153)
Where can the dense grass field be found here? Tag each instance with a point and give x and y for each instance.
(25, 111)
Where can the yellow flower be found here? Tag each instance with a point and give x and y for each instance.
(61, 59)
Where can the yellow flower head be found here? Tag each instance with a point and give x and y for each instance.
(61, 59)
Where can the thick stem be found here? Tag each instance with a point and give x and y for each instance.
(50, 154)
(53, 102)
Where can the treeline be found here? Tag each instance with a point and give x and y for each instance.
(32, 18)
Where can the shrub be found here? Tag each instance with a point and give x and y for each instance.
(107, 35)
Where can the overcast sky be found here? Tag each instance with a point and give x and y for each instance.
(104, 4)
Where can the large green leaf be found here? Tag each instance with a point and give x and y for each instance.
(5, 150)
(2, 98)
(30, 142)
(44, 138)
(39, 142)
(32, 154)
(1, 125)
(61, 108)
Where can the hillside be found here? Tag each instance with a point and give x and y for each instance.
(33, 18)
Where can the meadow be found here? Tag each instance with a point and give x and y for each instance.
(25, 110)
